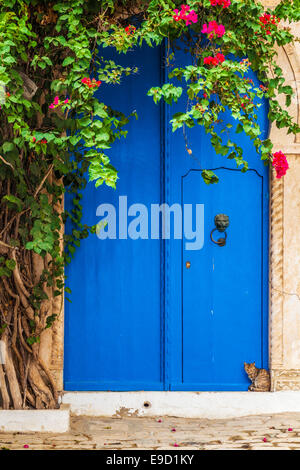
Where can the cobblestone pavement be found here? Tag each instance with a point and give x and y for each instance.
(279, 432)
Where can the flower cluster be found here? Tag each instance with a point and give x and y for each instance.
(267, 21)
(246, 62)
(223, 3)
(263, 88)
(130, 30)
(213, 29)
(42, 141)
(189, 16)
(247, 101)
(57, 102)
(280, 164)
(91, 83)
(219, 59)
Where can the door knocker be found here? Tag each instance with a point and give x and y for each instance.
(221, 224)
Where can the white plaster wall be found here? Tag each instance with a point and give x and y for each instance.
(210, 405)
(57, 421)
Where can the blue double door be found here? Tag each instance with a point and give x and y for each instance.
(181, 313)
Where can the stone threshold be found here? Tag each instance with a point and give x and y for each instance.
(56, 421)
(207, 405)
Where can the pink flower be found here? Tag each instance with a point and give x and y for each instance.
(213, 29)
(66, 101)
(176, 15)
(173, 430)
(26, 446)
(159, 421)
(51, 106)
(290, 429)
(176, 445)
(265, 439)
(280, 164)
(56, 100)
(189, 16)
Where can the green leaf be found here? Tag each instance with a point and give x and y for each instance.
(14, 200)
(10, 264)
(68, 61)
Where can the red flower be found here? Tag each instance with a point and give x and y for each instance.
(223, 3)
(219, 59)
(267, 20)
(280, 164)
(91, 83)
(130, 29)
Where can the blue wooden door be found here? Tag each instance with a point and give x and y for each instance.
(140, 319)
(114, 325)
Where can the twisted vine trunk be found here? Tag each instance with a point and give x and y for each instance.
(25, 377)
(28, 292)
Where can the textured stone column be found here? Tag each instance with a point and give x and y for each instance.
(284, 324)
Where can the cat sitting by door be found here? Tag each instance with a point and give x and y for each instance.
(260, 378)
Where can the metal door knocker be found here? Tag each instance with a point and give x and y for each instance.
(221, 224)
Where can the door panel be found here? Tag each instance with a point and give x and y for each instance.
(113, 325)
(222, 290)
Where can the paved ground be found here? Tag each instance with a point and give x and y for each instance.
(255, 432)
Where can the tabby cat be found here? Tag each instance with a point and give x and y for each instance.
(260, 378)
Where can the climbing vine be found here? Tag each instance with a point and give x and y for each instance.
(55, 130)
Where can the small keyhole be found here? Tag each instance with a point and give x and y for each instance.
(188, 265)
